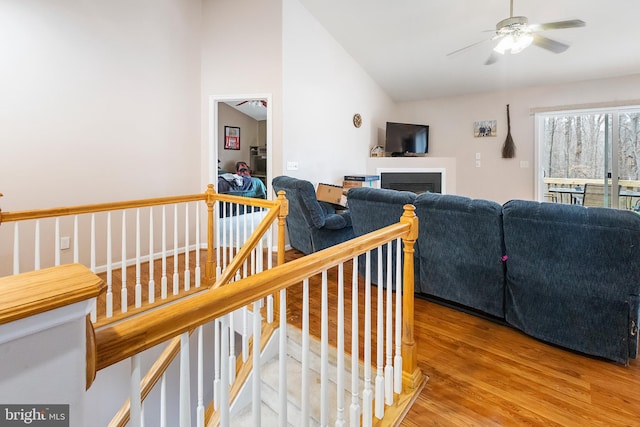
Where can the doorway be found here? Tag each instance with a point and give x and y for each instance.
(217, 136)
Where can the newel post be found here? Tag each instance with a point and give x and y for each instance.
(282, 215)
(284, 211)
(210, 264)
(410, 372)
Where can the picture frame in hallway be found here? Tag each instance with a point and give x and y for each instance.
(482, 128)
(231, 138)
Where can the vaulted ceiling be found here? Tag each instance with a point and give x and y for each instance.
(403, 45)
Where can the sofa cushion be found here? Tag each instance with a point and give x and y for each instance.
(461, 249)
(372, 209)
(572, 275)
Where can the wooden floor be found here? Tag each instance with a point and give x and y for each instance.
(485, 374)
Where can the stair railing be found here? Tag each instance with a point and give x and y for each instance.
(146, 236)
(127, 339)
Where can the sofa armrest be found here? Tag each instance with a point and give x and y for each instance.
(337, 221)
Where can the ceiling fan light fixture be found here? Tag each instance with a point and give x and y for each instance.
(514, 43)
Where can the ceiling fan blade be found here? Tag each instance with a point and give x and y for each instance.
(549, 44)
(468, 47)
(243, 102)
(573, 23)
(493, 58)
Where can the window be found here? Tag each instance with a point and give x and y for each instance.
(576, 148)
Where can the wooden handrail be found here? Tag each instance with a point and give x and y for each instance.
(123, 340)
(27, 294)
(98, 207)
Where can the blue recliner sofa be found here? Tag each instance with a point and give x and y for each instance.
(573, 276)
(312, 225)
(460, 241)
(372, 209)
(565, 274)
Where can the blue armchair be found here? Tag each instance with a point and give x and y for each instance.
(312, 225)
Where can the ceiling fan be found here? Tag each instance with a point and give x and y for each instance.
(515, 34)
(254, 103)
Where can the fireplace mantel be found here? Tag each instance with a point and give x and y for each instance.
(445, 165)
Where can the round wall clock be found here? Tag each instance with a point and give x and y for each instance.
(357, 120)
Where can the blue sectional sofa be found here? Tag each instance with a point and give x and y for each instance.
(564, 274)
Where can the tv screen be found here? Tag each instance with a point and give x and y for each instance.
(404, 139)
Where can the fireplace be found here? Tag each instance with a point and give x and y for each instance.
(416, 182)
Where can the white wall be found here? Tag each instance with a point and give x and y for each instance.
(323, 88)
(451, 131)
(100, 101)
(241, 54)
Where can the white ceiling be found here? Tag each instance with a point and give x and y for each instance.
(256, 112)
(403, 44)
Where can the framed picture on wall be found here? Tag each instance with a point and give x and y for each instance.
(231, 138)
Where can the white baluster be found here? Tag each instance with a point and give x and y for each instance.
(94, 311)
(324, 353)
(200, 413)
(379, 390)
(36, 261)
(109, 269)
(164, 281)
(152, 283)
(187, 271)
(232, 348)
(245, 333)
(16, 248)
(397, 360)
(135, 392)
(76, 248)
(224, 371)
(367, 393)
(216, 364)
(340, 421)
(225, 220)
(282, 386)
(163, 401)
(93, 243)
(176, 275)
(124, 305)
(185, 383)
(304, 403)
(216, 219)
(354, 408)
(138, 292)
(56, 242)
(388, 369)
(197, 271)
(256, 407)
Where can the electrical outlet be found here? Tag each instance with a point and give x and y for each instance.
(477, 163)
(64, 242)
(524, 164)
(292, 166)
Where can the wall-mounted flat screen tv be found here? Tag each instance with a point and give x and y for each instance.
(404, 139)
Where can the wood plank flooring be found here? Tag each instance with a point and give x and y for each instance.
(485, 374)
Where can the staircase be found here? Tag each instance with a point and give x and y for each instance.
(269, 406)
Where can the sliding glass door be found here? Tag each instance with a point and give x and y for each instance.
(589, 157)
